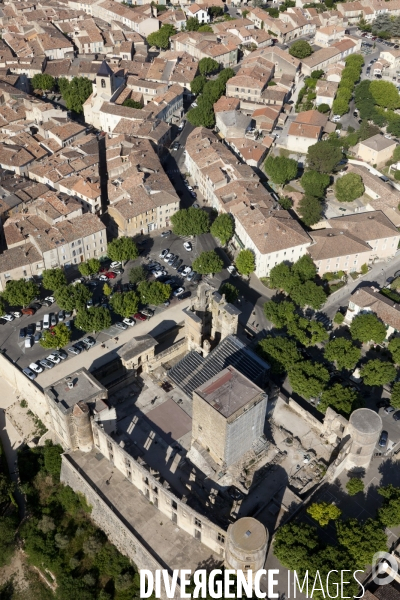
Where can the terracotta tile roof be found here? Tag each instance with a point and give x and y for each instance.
(384, 308)
(378, 142)
(226, 104)
(307, 131)
(332, 243)
(18, 257)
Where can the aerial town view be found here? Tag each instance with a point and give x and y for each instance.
(199, 299)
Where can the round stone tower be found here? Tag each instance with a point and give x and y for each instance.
(365, 427)
(246, 545)
(81, 417)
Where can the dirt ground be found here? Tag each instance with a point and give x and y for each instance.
(24, 421)
(23, 582)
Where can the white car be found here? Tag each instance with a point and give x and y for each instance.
(8, 317)
(186, 271)
(336, 118)
(17, 314)
(50, 299)
(28, 342)
(115, 265)
(187, 246)
(36, 368)
(179, 291)
(103, 278)
(159, 273)
(54, 358)
(194, 105)
(232, 270)
(168, 256)
(164, 253)
(128, 321)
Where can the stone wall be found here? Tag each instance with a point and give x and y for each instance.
(168, 354)
(119, 533)
(305, 415)
(26, 389)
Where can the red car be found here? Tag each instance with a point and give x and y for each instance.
(140, 317)
(110, 275)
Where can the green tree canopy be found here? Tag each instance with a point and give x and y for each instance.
(190, 221)
(205, 28)
(281, 353)
(389, 513)
(294, 544)
(323, 157)
(394, 349)
(361, 540)
(216, 11)
(3, 306)
(198, 84)
(245, 262)
(231, 292)
(378, 372)
(385, 94)
(323, 108)
(368, 328)
(208, 262)
(208, 65)
(338, 318)
(90, 267)
(19, 292)
(53, 279)
(202, 116)
(308, 379)
(280, 169)
(125, 304)
(122, 249)
(342, 399)
(308, 294)
(349, 187)
(132, 103)
(310, 210)
(223, 228)
(137, 274)
(305, 268)
(57, 337)
(154, 292)
(324, 513)
(75, 92)
(340, 106)
(94, 319)
(307, 332)
(300, 49)
(192, 24)
(160, 38)
(279, 313)
(72, 297)
(314, 183)
(107, 289)
(354, 486)
(42, 81)
(395, 396)
(343, 352)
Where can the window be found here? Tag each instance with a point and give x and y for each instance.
(197, 522)
(87, 247)
(221, 538)
(174, 505)
(247, 567)
(103, 83)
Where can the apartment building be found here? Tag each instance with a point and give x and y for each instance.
(376, 150)
(203, 45)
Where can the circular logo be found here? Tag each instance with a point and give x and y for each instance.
(384, 568)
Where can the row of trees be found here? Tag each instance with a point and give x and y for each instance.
(350, 75)
(377, 102)
(203, 115)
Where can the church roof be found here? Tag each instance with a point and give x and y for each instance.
(104, 70)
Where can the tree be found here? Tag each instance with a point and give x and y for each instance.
(198, 84)
(323, 513)
(223, 228)
(368, 328)
(308, 379)
(89, 267)
(389, 513)
(300, 49)
(385, 94)
(361, 540)
(123, 248)
(279, 276)
(349, 187)
(208, 65)
(323, 108)
(323, 157)
(279, 313)
(338, 318)
(394, 349)
(285, 202)
(395, 396)
(137, 274)
(3, 307)
(294, 544)
(57, 337)
(192, 24)
(378, 372)
(72, 297)
(280, 169)
(202, 116)
(126, 304)
(19, 292)
(95, 319)
(231, 292)
(107, 289)
(132, 103)
(8, 526)
(308, 294)
(190, 221)
(154, 292)
(305, 268)
(205, 28)
(208, 262)
(75, 92)
(281, 353)
(216, 11)
(354, 486)
(42, 81)
(342, 399)
(314, 183)
(310, 210)
(343, 352)
(53, 279)
(307, 332)
(245, 262)
(160, 38)
(340, 106)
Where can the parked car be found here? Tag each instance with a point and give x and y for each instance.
(36, 368)
(187, 246)
(30, 329)
(89, 342)
(382, 403)
(190, 276)
(396, 415)
(69, 323)
(47, 364)
(176, 146)
(168, 256)
(17, 314)
(140, 317)
(177, 264)
(158, 274)
(28, 342)
(196, 278)
(184, 295)
(68, 314)
(147, 312)
(121, 325)
(383, 439)
(181, 268)
(388, 410)
(35, 306)
(116, 264)
(166, 233)
(117, 271)
(8, 317)
(38, 337)
(22, 333)
(53, 358)
(29, 373)
(179, 291)
(129, 322)
(53, 320)
(80, 345)
(50, 299)
(171, 260)
(186, 271)
(38, 325)
(61, 353)
(27, 311)
(74, 350)
(232, 271)
(164, 253)
(111, 275)
(103, 278)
